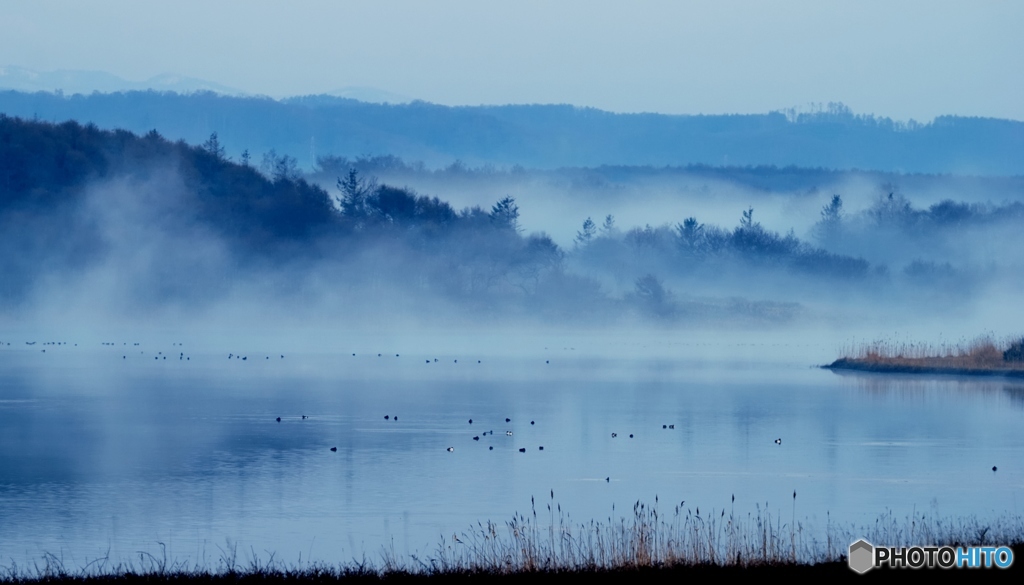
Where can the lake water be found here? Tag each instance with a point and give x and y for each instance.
(113, 450)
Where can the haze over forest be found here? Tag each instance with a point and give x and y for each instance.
(320, 208)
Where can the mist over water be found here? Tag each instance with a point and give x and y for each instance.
(142, 260)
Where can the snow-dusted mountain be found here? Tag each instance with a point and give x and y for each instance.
(72, 81)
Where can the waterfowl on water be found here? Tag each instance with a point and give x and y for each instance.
(615, 435)
(450, 449)
(476, 438)
(508, 420)
(335, 449)
(508, 433)
(278, 419)
(522, 449)
(778, 441)
(994, 468)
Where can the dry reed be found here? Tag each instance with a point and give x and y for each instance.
(532, 544)
(686, 537)
(981, 353)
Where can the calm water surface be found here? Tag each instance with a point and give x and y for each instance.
(107, 450)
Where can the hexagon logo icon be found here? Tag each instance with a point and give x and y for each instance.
(861, 557)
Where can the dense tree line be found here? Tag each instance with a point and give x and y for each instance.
(691, 247)
(44, 167)
(946, 243)
(51, 173)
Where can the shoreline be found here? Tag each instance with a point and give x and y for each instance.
(877, 367)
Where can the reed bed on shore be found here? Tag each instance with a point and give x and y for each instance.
(687, 537)
(982, 353)
(551, 542)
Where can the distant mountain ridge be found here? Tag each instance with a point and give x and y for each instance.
(543, 136)
(70, 81)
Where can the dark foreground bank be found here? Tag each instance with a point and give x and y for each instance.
(836, 571)
(648, 548)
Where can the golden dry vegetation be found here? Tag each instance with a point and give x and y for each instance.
(981, 354)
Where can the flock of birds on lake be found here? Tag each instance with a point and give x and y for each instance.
(232, 356)
(509, 433)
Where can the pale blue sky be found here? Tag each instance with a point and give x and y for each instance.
(909, 59)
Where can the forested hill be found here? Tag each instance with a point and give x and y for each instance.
(172, 221)
(544, 136)
(46, 168)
